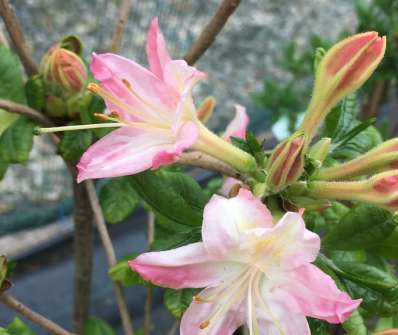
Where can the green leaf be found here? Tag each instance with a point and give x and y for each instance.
(16, 141)
(118, 199)
(363, 227)
(174, 195)
(18, 327)
(177, 301)
(348, 113)
(35, 92)
(95, 326)
(318, 327)
(4, 331)
(3, 169)
(3, 269)
(170, 235)
(122, 273)
(6, 119)
(11, 87)
(388, 248)
(74, 143)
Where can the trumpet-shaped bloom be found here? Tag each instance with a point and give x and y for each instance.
(252, 270)
(156, 113)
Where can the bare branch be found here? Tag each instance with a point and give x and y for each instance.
(31, 315)
(16, 34)
(110, 254)
(204, 161)
(149, 290)
(120, 26)
(174, 328)
(83, 255)
(211, 30)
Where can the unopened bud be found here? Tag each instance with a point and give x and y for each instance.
(383, 157)
(63, 70)
(286, 163)
(320, 150)
(380, 190)
(343, 69)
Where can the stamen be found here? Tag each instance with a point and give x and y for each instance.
(197, 299)
(106, 117)
(128, 84)
(204, 324)
(79, 127)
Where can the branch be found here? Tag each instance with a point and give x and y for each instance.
(15, 32)
(110, 254)
(174, 328)
(209, 33)
(196, 158)
(83, 255)
(25, 311)
(120, 26)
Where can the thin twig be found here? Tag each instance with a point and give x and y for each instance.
(204, 161)
(120, 26)
(149, 290)
(110, 255)
(174, 328)
(25, 311)
(209, 33)
(16, 34)
(30, 113)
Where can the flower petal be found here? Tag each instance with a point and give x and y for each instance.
(122, 152)
(182, 77)
(317, 295)
(156, 49)
(148, 88)
(288, 244)
(198, 313)
(187, 266)
(224, 219)
(186, 137)
(238, 126)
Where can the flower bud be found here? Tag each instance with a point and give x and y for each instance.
(383, 157)
(63, 70)
(380, 190)
(343, 69)
(320, 150)
(286, 162)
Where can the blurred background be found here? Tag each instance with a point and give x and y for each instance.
(264, 48)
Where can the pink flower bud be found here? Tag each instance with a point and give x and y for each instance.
(380, 190)
(286, 162)
(382, 158)
(63, 69)
(343, 69)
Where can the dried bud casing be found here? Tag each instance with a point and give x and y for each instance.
(343, 69)
(286, 162)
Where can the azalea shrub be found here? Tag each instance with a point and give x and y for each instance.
(301, 239)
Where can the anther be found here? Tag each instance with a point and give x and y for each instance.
(204, 324)
(197, 299)
(127, 83)
(92, 87)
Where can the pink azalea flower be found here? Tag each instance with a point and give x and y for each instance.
(252, 270)
(155, 112)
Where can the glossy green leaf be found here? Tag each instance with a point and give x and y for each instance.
(346, 117)
(12, 86)
(122, 273)
(4, 331)
(355, 324)
(177, 301)
(388, 248)
(74, 143)
(174, 195)
(118, 199)
(16, 141)
(318, 327)
(363, 227)
(18, 327)
(6, 119)
(95, 326)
